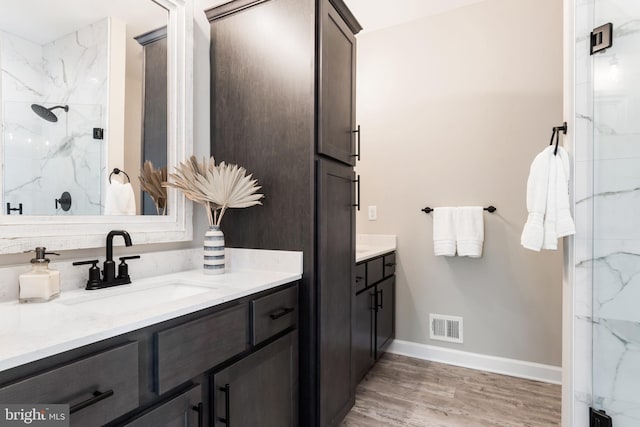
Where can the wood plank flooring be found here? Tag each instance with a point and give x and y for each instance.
(402, 391)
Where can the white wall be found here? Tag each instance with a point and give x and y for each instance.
(453, 108)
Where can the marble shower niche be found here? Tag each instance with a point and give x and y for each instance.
(43, 159)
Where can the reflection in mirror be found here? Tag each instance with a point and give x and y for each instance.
(81, 93)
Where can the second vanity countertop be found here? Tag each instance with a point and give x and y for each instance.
(33, 331)
(372, 245)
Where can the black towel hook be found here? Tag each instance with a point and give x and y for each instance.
(556, 133)
(117, 171)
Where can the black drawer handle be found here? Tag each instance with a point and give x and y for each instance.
(282, 312)
(372, 301)
(359, 278)
(390, 264)
(357, 203)
(200, 410)
(357, 155)
(227, 391)
(96, 397)
(380, 301)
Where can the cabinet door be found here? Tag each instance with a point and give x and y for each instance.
(338, 89)
(363, 324)
(184, 410)
(336, 240)
(385, 315)
(261, 389)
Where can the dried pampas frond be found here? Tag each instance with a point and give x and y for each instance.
(151, 181)
(218, 188)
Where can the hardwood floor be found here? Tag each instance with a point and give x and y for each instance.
(402, 391)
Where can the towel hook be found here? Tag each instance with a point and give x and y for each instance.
(556, 133)
(117, 171)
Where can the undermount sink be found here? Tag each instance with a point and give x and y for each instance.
(128, 298)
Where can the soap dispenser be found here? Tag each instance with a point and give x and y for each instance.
(41, 283)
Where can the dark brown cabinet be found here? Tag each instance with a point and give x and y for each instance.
(184, 410)
(373, 314)
(385, 311)
(261, 389)
(363, 333)
(283, 107)
(161, 375)
(154, 110)
(337, 88)
(335, 255)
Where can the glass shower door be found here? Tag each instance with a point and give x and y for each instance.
(616, 215)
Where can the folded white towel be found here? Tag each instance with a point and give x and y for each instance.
(444, 232)
(564, 222)
(119, 199)
(537, 192)
(469, 231)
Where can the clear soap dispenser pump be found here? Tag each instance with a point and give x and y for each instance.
(40, 284)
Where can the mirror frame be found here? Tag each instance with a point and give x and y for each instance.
(21, 233)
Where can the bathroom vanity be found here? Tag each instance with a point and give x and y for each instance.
(373, 302)
(180, 349)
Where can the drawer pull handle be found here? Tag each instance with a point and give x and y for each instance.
(282, 312)
(359, 278)
(200, 410)
(390, 264)
(380, 301)
(96, 397)
(227, 391)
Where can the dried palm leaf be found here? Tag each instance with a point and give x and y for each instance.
(218, 188)
(151, 180)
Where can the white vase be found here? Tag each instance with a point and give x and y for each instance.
(214, 250)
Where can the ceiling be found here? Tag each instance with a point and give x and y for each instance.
(42, 21)
(377, 14)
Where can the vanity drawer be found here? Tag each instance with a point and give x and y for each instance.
(389, 265)
(98, 388)
(192, 348)
(375, 271)
(361, 277)
(273, 313)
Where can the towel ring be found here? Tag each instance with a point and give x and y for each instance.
(117, 171)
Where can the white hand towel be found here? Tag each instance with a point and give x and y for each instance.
(119, 199)
(469, 231)
(564, 222)
(444, 232)
(550, 241)
(537, 191)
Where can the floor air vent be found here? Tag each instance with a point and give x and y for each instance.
(445, 328)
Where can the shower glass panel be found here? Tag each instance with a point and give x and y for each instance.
(43, 159)
(616, 215)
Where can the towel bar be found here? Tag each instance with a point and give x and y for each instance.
(491, 209)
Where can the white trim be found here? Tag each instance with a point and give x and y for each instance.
(20, 233)
(568, 276)
(482, 362)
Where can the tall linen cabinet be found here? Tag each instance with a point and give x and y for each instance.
(283, 106)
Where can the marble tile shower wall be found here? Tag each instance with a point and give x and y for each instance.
(607, 197)
(44, 159)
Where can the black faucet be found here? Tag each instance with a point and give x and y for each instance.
(109, 267)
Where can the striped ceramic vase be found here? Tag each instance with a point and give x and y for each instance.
(214, 250)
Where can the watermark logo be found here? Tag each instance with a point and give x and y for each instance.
(34, 415)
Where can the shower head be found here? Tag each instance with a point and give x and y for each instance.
(47, 113)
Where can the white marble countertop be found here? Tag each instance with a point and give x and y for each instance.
(372, 245)
(30, 332)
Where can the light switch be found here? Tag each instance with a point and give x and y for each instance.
(373, 213)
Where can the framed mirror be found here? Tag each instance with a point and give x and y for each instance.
(89, 91)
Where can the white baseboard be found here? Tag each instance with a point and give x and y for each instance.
(483, 362)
